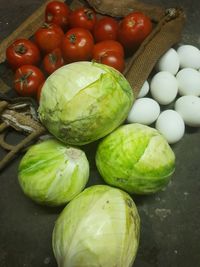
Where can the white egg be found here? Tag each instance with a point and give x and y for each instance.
(164, 87)
(189, 56)
(169, 62)
(144, 110)
(189, 109)
(144, 90)
(188, 82)
(171, 125)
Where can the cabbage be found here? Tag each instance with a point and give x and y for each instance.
(52, 174)
(136, 158)
(100, 227)
(84, 101)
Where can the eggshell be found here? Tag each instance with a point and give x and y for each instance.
(189, 56)
(144, 90)
(144, 110)
(188, 82)
(164, 87)
(169, 62)
(189, 109)
(171, 125)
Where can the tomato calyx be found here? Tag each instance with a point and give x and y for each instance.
(23, 80)
(89, 14)
(20, 49)
(72, 38)
(46, 25)
(53, 58)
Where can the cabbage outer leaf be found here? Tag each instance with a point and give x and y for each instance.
(84, 101)
(136, 158)
(100, 227)
(52, 173)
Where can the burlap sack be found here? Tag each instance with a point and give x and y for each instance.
(168, 25)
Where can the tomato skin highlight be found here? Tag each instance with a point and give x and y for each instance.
(82, 17)
(53, 61)
(48, 37)
(27, 79)
(77, 45)
(22, 51)
(106, 28)
(58, 13)
(133, 29)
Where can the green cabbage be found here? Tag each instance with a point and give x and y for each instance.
(84, 101)
(135, 158)
(51, 173)
(99, 227)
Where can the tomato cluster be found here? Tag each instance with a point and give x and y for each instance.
(73, 35)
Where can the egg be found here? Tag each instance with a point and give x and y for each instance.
(164, 87)
(169, 62)
(144, 90)
(188, 82)
(189, 56)
(145, 111)
(189, 109)
(171, 125)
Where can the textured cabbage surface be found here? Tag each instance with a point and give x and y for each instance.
(136, 158)
(100, 227)
(84, 101)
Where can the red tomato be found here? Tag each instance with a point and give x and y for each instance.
(22, 51)
(53, 61)
(112, 59)
(49, 37)
(39, 90)
(105, 29)
(27, 80)
(105, 46)
(77, 45)
(82, 17)
(133, 29)
(57, 12)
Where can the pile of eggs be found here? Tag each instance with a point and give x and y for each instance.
(173, 94)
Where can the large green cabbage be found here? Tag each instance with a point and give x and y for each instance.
(136, 158)
(51, 173)
(99, 227)
(84, 101)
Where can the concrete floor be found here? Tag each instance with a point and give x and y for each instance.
(170, 230)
